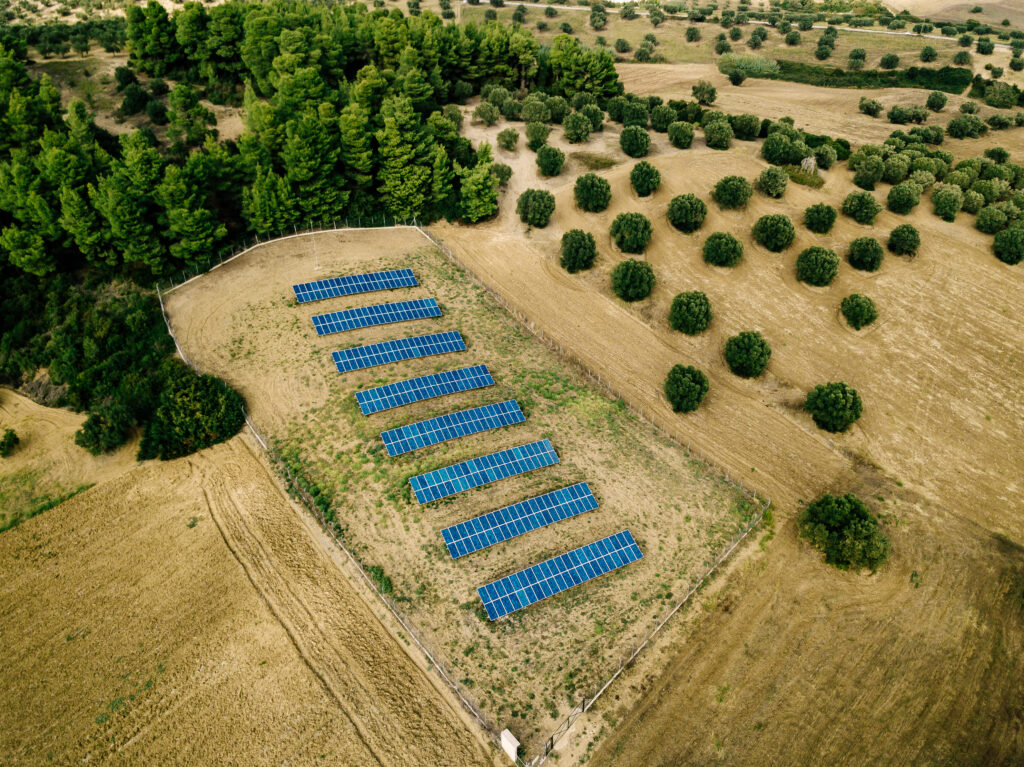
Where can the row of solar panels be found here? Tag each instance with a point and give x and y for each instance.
(520, 589)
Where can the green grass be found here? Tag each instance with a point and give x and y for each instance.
(21, 500)
(592, 161)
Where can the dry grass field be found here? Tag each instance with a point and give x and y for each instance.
(937, 453)
(188, 613)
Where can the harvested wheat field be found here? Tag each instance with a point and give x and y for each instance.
(227, 634)
(937, 451)
(525, 672)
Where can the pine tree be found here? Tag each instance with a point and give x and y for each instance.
(193, 231)
(479, 190)
(310, 156)
(188, 119)
(268, 204)
(357, 157)
(403, 176)
(442, 187)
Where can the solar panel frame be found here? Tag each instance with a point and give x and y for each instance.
(377, 314)
(348, 285)
(421, 388)
(518, 519)
(462, 423)
(561, 573)
(476, 472)
(397, 350)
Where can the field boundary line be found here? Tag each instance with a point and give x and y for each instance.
(295, 488)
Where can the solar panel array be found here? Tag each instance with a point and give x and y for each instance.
(476, 472)
(382, 353)
(517, 519)
(352, 284)
(379, 314)
(522, 589)
(425, 387)
(433, 431)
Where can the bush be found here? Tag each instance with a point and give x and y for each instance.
(718, 134)
(947, 201)
(817, 266)
(632, 232)
(635, 141)
(903, 197)
(889, 61)
(772, 182)
(870, 107)
(869, 172)
(577, 128)
(501, 172)
(1009, 245)
(825, 156)
(645, 179)
(865, 254)
(685, 388)
(692, 34)
(936, 101)
(632, 280)
(680, 134)
(985, 46)
(486, 113)
(966, 126)
(929, 54)
(991, 220)
(690, 313)
(973, 201)
(10, 441)
(595, 115)
(904, 240)
(793, 38)
(592, 193)
(846, 531)
(704, 93)
(858, 310)
(662, 116)
(193, 412)
(820, 217)
(578, 250)
(861, 207)
(736, 77)
(550, 160)
(508, 138)
(535, 207)
(834, 406)
(962, 59)
(635, 113)
(747, 354)
(732, 192)
(536, 135)
(687, 212)
(774, 232)
(722, 249)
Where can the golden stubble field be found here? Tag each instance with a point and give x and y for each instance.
(932, 641)
(188, 613)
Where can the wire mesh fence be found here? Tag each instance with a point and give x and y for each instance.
(433, 658)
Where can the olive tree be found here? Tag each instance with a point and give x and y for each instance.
(704, 93)
(846, 531)
(834, 406)
(947, 200)
(632, 232)
(632, 280)
(903, 197)
(747, 354)
(904, 240)
(1009, 245)
(936, 101)
(858, 310)
(690, 313)
(592, 193)
(775, 232)
(687, 212)
(817, 266)
(685, 388)
(861, 207)
(578, 250)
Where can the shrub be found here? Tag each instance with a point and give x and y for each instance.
(904, 240)
(985, 46)
(680, 134)
(865, 254)
(10, 441)
(550, 160)
(692, 34)
(736, 77)
(635, 141)
(501, 172)
(690, 313)
(936, 101)
(861, 207)
(817, 266)
(820, 217)
(685, 388)
(722, 249)
(1009, 245)
(774, 232)
(536, 135)
(632, 280)
(632, 232)
(991, 220)
(772, 182)
(870, 107)
(973, 201)
(947, 200)
(793, 38)
(966, 126)
(903, 197)
(535, 207)
(645, 178)
(834, 406)
(704, 93)
(558, 108)
(686, 213)
(745, 127)
(732, 192)
(578, 250)
(846, 531)
(577, 128)
(869, 172)
(592, 193)
(595, 115)
(998, 155)
(747, 354)
(962, 59)
(662, 116)
(635, 113)
(858, 310)
(928, 54)
(889, 61)
(486, 113)
(508, 138)
(718, 134)
(825, 156)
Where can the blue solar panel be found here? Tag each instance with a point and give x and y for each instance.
(482, 471)
(352, 284)
(517, 519)
(369, 356)
(522, 589)
(425, 387)
(433, 431)
(379, 314)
